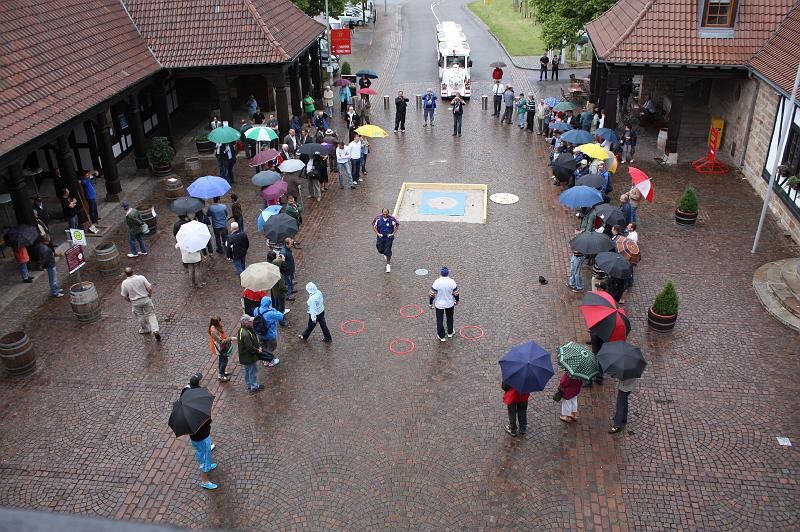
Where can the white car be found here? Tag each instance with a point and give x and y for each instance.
(351, 15)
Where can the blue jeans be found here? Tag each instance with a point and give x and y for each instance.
(344, 169)
(521, 119)
(621, 413)
(51, 276)
(72, 222)
(238, 264)
(289, 280)
(93, 215)
(202, 452)
(23, 271)
(132, 240)
(575, 277)
(221, 235)
(363, 163)
(223, 169)
(222, 363)
(251, 376)
(633, 213)
(457, 124)
(428, 112)
(355, 169)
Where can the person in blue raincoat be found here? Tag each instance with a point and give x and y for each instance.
(265, 325)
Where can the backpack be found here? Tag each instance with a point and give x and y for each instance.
(260, 326)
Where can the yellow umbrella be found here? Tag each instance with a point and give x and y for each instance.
(595, 151)
(368, 130)
(611, 163)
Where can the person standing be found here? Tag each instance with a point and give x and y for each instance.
(458, 113)
(400, 105)
(385, 226)
(236, 211)
(540, 123)
(554, 67)
(343, 164)
(508, 102)
(344, 99)
(182, 220)
(543, 67)
(236, 247)
(47, 259)
(221, 346)
(294, 209)
(219, 223)
(575, 282)
(138, 291)
(631, 233)
(624, 389)
(316, 314)
(278, 290)
(136, 230)
(570, 388)
(69, 206)
(497, 73)
(522, 108)
(353, 121)
(23, 259)
(265, 325)
(628, 142)
(201, 441)
(90, 194)
(252, 105)
(290, 140)
(191, 261)
(355, 159)
(249, 350)
(497, 96)
(287, 267)
(226, 158)
(364, 156)
(517, 404)
(327, 100)
(204, 219)
(428, 107)
(309, 107)
(444, 297)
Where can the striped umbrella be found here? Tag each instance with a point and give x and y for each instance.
(578, 361)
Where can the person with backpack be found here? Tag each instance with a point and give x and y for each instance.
(265, 325)
(221, 346)
(136, 230)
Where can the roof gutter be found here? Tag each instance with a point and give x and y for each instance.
(771, 83)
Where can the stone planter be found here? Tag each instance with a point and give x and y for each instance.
(660, 323)
(685, 218)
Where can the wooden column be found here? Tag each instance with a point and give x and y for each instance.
(610, 105)
(66, 165)
(137, 132)
(113, 186)
(305, 74)
(224, 94)
(282, 102)
(316, 71)
(295, 96)
(675, 116)
(162, 111)
(19, 199)
(269, 97)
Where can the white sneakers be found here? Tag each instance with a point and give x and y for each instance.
(388, 268)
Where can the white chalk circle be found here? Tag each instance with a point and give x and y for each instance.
(442, 203)
(421, 271)
(504, 198)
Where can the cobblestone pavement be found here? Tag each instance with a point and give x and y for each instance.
(349, 435)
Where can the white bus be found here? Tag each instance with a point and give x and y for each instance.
(454, 64)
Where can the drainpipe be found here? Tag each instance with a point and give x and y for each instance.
(749, 123)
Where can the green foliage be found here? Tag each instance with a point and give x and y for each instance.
(793, 181)
(313, 8)
(346, 69)
(519, 35)
(666, 302)
(688, 201)
(160, 151)
(202, 136)
(566, 18)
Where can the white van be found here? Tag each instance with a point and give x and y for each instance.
(454, 68)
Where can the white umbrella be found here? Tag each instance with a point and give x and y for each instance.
(193, 236)
(292, 165)
(261, 134)
(260, 276)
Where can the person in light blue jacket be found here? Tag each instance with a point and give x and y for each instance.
(316, 314)
(428, 106)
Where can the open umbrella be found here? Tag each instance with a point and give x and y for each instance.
(608, 134)
(551, 101)
(261, 134)
(368, 91)
(191, 411)
(264, 215)
(21, 236)
(527, 367)
(263, 157)
(275, 190)
(591, 180)
(370, 130)
(497, 64)
(312, 148)
(260, 276)
(610, 214)
(209, 186)
(577, 137)
(292, 165)
(591, 243)
(621, 360)
(603, 317)
(265, 178)
(614, 265)
(642, 182)
(560, 126)
(186, 205)
(279, 227)
(579, 196)
(595, 151)
(577, 361)
(193, 236)
(366, 73)
(330, 140)
(628, 249)
(224, 135)
(564, 106)
(343, 82)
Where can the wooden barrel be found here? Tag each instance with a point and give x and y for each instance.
(147, 215)
(193, 167)
(16, 353)
(84, 301)
(108, 258)
(173, 187)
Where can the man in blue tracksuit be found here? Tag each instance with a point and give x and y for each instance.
(265, 325)
(428, 106)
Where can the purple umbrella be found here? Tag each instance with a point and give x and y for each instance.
(275, 190)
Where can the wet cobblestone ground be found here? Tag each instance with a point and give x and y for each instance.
(349, 435)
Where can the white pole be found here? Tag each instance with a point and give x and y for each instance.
(783, 135)
(330, 44)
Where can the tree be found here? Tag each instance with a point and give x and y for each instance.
(313, 8)
(565, 19)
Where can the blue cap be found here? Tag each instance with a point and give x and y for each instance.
(445, 272)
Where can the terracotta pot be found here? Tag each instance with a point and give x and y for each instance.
(660, 323)
(685, 218)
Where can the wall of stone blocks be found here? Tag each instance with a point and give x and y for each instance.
(731, 100)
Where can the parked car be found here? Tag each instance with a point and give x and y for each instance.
(351, 15)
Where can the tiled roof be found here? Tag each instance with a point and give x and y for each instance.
(58, 58)
(778, 59)
(667, 32)
(189, 33)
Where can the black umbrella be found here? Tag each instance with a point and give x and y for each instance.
(280, 226)
(21, 236)
(186, 205)
(614, 265)
(312, 148)
(621, 360)
(591, 243)
(191, 411)
(610, 214)
(497, 64)
(366, 73)
(592, 180)
(564, 166)
(330, 140)
(265, 178)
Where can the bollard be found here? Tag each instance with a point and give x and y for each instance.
(385, 101)
(484, 102)
(418, 101)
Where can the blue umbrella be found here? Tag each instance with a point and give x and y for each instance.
(607, 134)
(551, 101)
(560, 126)
(580, 196)
(577, 137)
(209, 186)
(264, 215)
(527, 367)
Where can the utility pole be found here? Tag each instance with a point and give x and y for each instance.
(330, 44)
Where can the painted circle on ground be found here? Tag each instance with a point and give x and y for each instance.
(405, 314)
(410, 344)
(344, 329)
(442, 203)
(421, 271)
(462, 332)
(504, 198)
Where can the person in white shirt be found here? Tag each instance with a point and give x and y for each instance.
(343, 164)
(137, 290)
(355, 160)
(443, 297)
(191, 262)
(497, 90)
(631, 232)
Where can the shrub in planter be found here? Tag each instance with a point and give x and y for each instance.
(346, 69)
(686, 213)
(664, 312)
(203, 145)
(793, 181)
(160, 155)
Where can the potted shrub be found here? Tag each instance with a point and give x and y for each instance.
(686, 213)
(664, 312)
(160, 155)
(203, 145)
(793, 181)
(346, 69)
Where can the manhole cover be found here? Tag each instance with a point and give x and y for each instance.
(504, 198)
(421, 271)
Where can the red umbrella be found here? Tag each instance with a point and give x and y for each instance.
(642, 182)
(263, 157)
(368, 91)
(603, 317)
(275, 190)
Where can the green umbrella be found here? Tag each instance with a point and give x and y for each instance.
(565, 106)
(224, 135)
(261, 134)
(578, 361)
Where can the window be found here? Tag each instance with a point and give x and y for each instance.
(456, 61)
(792, 156)
(719, 13)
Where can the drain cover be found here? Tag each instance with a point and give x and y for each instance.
(421, 271)
(504, 198)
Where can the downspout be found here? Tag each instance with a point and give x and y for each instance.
(749, 123)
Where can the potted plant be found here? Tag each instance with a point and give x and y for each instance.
(664, 312)
(686, 213)
(346, 68)
(203, 145)
(160, 155)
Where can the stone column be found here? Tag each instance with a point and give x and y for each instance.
(675, 116)
(295, 91)
(137, 132)
(66, 165)
(224, 93)
(282, 103)
(23, 208)
(316, 72)
(162, 111)
(113, 186)
(610, 104)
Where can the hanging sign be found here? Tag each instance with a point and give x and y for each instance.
(340, 42)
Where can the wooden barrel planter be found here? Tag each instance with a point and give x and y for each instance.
(204, 147)
(193, 166)
(148, 217)
(16, 353)
(107, 256)
(173, 188)
(84, 301)
(162, 169)
(660, 323)
(685, 218)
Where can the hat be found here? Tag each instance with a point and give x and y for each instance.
(329, 131)
(125, 205)
(445, 272)
(194, 380)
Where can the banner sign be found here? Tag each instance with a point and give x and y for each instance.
(340, 42)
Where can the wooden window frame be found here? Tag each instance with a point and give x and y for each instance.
(731, 14)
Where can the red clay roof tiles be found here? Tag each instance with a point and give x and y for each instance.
(778, 59)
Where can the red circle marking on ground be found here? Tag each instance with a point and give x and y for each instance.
(404, 340)
(420, 310)
(344, 324)
(470, 327)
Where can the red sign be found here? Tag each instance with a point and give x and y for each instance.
(75, 258)
(340, 42)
